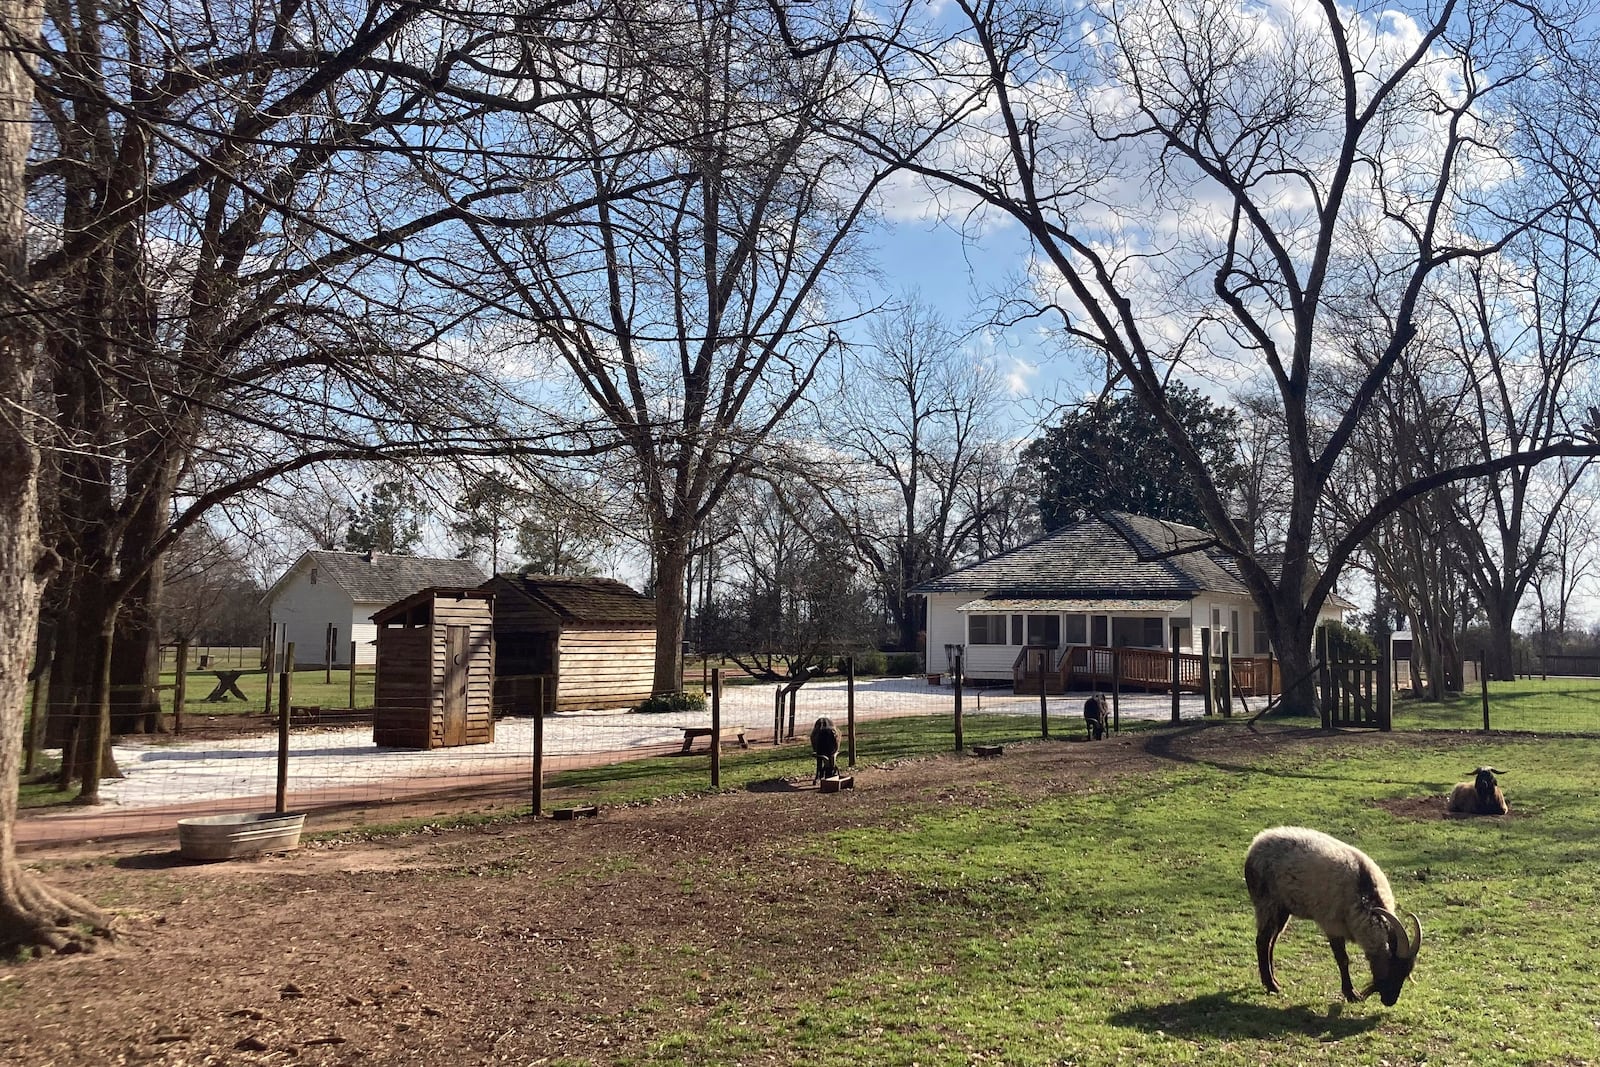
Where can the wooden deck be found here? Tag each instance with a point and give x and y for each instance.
(1149, 669)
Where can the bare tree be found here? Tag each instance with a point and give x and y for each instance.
(688, 305)
(1212, 189)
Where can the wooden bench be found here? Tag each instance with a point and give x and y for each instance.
(729, 734)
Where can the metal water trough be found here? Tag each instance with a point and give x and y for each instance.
(226, 837)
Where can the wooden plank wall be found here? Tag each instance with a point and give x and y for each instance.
(475, 614)
(402, 698)
(605, 667)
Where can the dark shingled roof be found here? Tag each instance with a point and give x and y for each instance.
(385, 579)
(580, 599)
(1114, 555)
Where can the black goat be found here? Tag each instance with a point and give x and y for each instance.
(825, 746)
(1095, 715)
(1481, 796)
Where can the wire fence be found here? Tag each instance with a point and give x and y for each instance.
(234, 757)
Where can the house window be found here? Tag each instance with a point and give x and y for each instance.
(986, 629)
(1140, 632)
(1233, 628)
(1100, 631)
(1077, 630)
(1263, 642)
(1016, 629)
(313, 576)
(1044, 630)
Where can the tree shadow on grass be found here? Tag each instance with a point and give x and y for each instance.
(775, 785)
(1240, 1013)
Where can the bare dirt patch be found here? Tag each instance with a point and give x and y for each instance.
(515, 942)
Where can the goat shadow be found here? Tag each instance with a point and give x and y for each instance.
(1243, 1013)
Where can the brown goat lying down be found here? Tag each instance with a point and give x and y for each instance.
(1481, 796)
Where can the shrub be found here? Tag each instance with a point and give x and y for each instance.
(661, 702)
(903, 663)
(1348, 642)
(870, 662)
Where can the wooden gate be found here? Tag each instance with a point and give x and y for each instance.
(1355, 692)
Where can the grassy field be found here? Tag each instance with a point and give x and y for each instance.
(1555, 705)
(1115, 928)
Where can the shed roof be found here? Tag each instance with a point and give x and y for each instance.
(1116, 555)
(433, 592)
(580, 599)
(374, 577)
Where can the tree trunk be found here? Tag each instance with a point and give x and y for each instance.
(1291, 642)
(136, 659)
(672, 567)
(32, 914)
(1500, 661)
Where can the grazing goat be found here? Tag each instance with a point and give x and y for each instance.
(1094, 717)
(1291, 871)
(825, 746)
(1481, 796)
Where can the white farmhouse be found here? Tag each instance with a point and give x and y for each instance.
(1114, 581)
(332, 595)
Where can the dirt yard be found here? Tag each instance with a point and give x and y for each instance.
(509, 943)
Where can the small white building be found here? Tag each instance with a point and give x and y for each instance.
(332, 595)
(1112, 581)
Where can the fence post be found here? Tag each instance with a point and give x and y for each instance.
(271, 663)
(716, 728)
(1207, 689)
(352, 676)
(777, 716)
(329, 645)
(180, 686)
(1116, 689)
(1483, 681)
(794, 698)
(1044, 700)
(285, 687)
(538, 753)
(1177, 674)
(1227, 674)
(1324, 687)
(1385, 694)
(850, 706)
(960, 744)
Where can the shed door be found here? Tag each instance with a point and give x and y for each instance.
(456, 644)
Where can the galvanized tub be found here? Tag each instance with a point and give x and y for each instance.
(224, 837)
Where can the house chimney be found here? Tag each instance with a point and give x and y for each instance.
(367, 555)
(1247, 530)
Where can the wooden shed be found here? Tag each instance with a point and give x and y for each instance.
(435, 681)
(577, 642)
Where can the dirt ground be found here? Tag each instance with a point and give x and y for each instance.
(512, 942)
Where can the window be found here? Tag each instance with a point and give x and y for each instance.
(1100, 631)
(1016, 629)
(1077, 630)
(313, 576)
(986, 629)
(1233, 628)
(1141, 632)
(1044, 630)
(1263, 642)
(1154, 633)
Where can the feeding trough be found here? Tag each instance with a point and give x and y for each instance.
(838, 782)
(581, 811)
(226, 837)
(988, 751)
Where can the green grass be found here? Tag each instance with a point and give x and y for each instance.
(308, 688)
(1116, 929)
(1557, 705)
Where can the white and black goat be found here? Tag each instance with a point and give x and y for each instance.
(1096, 712)
(1291, 871)
(1481, 796)
(825, 746)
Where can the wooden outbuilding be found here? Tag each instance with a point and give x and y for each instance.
(570, 643)
(435, 682)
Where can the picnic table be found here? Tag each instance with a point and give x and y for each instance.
(227, 683)
(729, 734)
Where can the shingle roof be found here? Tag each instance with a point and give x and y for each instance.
(581, 599)
(1111, 555)
(384, 579)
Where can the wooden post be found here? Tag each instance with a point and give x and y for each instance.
(716, 728)
(538, 753)
(329, 644)
(1116, 689)
(777, 716)
(1385, 694)
(1325, 679)
(794, 698)
(352, 676)
(1177, 673)
(271, 659)
(1044, 702)
(285, 688)
(1206, 687)
(1272, 670)
(1227, 674)
(1483, 681)
(960, 744)
(180, 686)
(850, 706)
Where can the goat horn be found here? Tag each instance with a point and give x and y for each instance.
(1397, 933)
(1416, 941)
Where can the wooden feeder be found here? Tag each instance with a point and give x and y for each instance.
(435, 680)
(988, 751)
(581, 811)
(838, 782)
